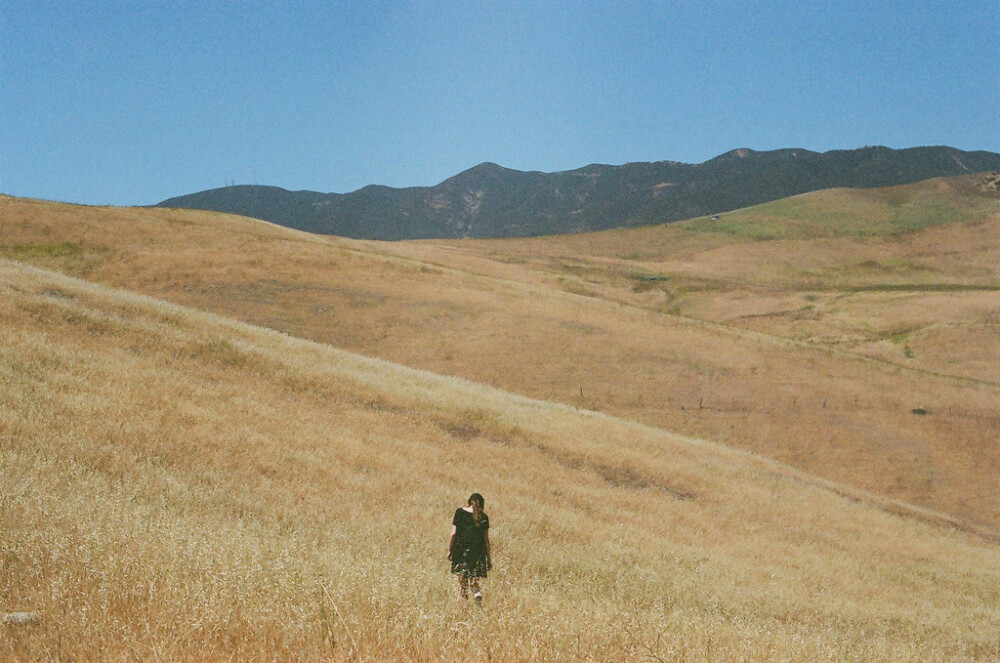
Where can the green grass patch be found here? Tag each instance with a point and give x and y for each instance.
(922, 213)
(508, 258)
(28, 252)
(69, 257)
(844, 213)
(899, 335)
(226, 354)
(643, 281)
(748, 227)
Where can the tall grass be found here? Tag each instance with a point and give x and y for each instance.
(176, 486)
(725, 345)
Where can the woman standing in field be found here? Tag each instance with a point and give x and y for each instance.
(469, 548)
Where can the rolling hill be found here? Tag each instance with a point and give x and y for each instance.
(491, 201)
(766, 436)
(181, 486)
(851, 334)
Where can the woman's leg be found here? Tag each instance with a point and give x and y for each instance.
(463, 588)
(476, 592)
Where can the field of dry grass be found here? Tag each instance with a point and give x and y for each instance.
(851, 334)
(176, 485)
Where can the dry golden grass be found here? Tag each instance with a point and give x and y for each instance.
(178, 486)
(814, 346)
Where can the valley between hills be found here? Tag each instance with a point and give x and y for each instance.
(768, 434)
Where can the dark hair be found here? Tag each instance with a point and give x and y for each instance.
(477, 515)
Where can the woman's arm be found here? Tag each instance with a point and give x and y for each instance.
(489, 560)
(451, 541)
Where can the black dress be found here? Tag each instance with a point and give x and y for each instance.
(468, 552)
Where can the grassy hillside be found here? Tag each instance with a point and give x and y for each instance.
(179, 486)
(861, 346)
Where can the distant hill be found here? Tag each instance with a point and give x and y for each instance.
(491, 201)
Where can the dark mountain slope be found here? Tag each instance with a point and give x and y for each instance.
(491, 201)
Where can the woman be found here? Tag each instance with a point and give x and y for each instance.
(469, 548)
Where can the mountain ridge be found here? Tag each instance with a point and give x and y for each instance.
(491, 201)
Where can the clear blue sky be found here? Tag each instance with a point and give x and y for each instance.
(132, 102)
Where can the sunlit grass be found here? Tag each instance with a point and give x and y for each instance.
(176, 486)
(845, 213)
(674, 326)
